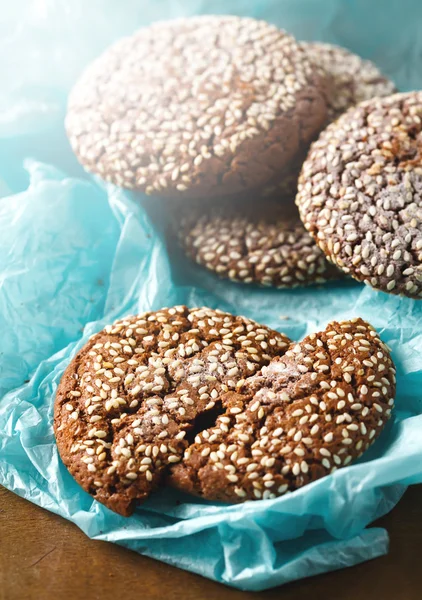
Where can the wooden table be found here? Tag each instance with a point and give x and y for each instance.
(44, 557)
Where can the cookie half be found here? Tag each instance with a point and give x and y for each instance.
(306, 414)
(196, 107)
(261, 241)
(360, 193)
(130, 399)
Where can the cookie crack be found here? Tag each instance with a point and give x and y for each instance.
(288, 425)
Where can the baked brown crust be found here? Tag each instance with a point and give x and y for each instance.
(196, 107)
(227, 408)
(360, 193)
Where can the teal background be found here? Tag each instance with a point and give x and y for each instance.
(76, 254)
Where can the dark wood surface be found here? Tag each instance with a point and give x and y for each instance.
(44, 557)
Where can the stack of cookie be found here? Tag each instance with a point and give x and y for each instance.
(220, 116)
(218, 113)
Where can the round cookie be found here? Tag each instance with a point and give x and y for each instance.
(353, 79)
(360, 193)
(260, 242)
(307, 413)
(196, 107)
(130, 399)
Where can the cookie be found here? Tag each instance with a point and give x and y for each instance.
(196, 107)
(353, 79)
(360, 193)
(130, 399)
(303, 416)
(260, 241)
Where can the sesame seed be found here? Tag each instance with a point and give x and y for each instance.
(296, 469)
(173, 459)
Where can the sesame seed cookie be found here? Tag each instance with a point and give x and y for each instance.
(196, 107)
(360, 193)
(260, 242)
(306, 414)
(129, 399)
(353, 79)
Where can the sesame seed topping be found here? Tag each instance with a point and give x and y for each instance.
(247, 442)
(143, 140)
(376, 182)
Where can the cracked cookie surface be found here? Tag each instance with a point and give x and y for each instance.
(131, 397)
(224, 407)
(304, 415)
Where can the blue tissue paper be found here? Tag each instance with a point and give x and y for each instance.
(76, 254)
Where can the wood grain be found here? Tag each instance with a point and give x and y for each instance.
(43, 557)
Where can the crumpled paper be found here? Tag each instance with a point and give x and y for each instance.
(76, 254)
